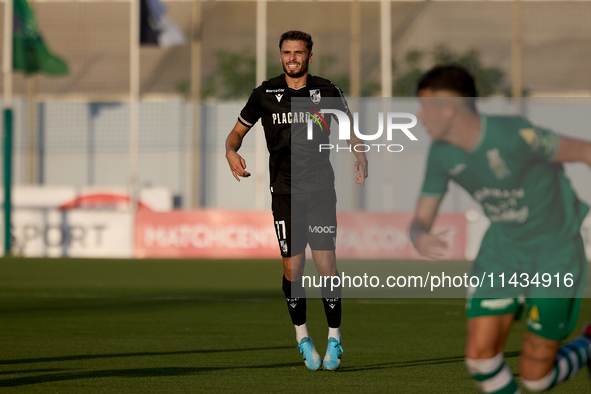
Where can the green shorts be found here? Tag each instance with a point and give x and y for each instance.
(552, 311)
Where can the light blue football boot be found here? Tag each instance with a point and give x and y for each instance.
(311, 356)
(332, 359)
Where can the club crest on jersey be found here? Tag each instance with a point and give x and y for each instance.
(496, 164)
(315, 95)
(283, 245)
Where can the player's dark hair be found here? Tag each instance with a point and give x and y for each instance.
(296, 35)
(450, 77)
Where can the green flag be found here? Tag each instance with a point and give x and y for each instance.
(30, 53)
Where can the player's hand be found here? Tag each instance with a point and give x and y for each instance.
(360, 168)
(237, 165)
(433, 246)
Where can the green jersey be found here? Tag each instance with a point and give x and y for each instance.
(510, 172)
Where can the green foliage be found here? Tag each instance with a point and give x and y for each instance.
(237, 73)
(322, 67)
(183, 88)
(235, 76)
(489, 80)
(405, 85)
(370, 89)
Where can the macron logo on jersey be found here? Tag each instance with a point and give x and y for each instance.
(457, 170)
(278, 97)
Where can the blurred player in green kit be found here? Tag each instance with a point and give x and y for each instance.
(513, 170)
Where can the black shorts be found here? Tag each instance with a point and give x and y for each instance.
(305, 218)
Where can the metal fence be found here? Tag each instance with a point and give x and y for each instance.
(75, 130)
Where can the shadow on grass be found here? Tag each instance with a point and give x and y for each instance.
(31, 371)
(183, 371)
(416, 363)
(127, 373)
(21, 303)
(142, 354)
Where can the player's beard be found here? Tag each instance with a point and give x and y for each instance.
(303, 70)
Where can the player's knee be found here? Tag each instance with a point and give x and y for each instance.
(539, 385)
(287, 268)
(475, 352)
(325, 261)
(291, 272)
(293, 289)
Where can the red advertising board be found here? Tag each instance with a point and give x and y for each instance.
(379, 236)
(251, 235)
(206, 234)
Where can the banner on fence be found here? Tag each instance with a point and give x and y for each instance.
(71, 233)
(235, 235)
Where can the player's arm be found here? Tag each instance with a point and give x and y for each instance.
(572, 149)
(360, 166)
(233, 143)
(431, 246)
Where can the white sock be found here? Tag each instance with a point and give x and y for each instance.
(301, 332)
(334, 333)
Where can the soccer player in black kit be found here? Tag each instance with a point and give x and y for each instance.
(302, 187)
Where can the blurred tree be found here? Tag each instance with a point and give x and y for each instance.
(234, 78)
(489, 80)
(322, 66)
(236, 75)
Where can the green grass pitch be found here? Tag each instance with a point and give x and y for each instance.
(178, 326)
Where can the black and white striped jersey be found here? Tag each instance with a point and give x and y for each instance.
(295, 163)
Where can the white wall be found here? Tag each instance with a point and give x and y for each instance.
(165, 152)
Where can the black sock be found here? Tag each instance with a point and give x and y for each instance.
(296, 300)
(332, 305)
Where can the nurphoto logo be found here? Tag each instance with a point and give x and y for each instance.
(393, 126)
